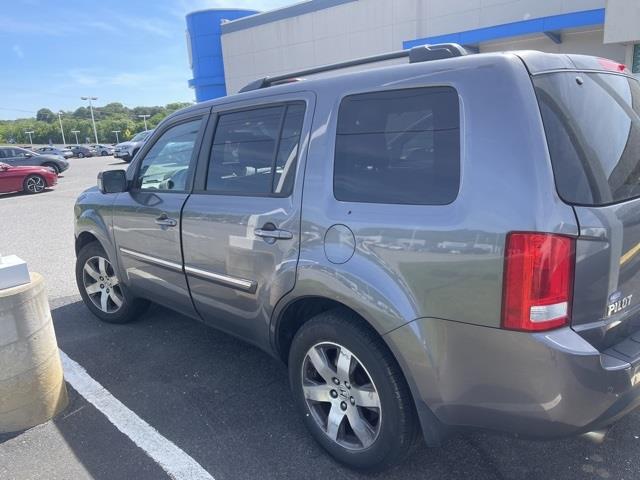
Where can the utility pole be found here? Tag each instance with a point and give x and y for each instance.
(61, 129)
(76, 132)
(144, 117)
(29, 132)
(116, 132)
(95, 131)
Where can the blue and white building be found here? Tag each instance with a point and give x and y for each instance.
(230, 48)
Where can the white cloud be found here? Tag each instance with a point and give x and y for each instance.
(17, 49)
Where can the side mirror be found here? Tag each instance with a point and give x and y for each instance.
(112, 181)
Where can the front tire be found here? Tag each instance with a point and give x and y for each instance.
(80, 155)
(53, 167)
(351, 392)
(101, 289)
(34, 184)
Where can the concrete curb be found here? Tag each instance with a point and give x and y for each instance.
(32, 388)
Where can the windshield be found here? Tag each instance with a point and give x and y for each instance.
(592, 125)
(140, 137)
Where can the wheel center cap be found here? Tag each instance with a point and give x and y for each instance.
(343, 392)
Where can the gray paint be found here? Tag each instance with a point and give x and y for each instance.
(438, 309)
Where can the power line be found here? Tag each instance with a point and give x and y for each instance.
(17, 110)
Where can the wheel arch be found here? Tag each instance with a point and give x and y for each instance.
(290, 317)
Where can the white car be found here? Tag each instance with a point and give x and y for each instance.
(103, 150)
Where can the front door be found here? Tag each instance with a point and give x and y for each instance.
(240, 227)
(146, 219)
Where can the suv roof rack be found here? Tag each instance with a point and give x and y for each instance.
(420, 53)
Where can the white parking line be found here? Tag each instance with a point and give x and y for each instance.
(172, 459)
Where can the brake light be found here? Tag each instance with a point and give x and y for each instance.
(538, 281)
(612, 65)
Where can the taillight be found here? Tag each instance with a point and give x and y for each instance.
(538, 281)
(612, 65)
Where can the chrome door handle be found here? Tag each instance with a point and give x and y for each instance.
(273, 234)
(164, 221)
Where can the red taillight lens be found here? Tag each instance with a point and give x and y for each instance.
(612, 65)
(538, 281)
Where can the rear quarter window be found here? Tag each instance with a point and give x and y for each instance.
(592, 125)
(398, 147)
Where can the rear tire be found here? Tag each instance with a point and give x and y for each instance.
(34, 184)
(101, 289)
(80, 155)
(356, 402)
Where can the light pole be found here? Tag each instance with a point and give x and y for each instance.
(29, 132)
(95, 132)
(144, 117)
(116, 132)
(61, 129)
(76, 132)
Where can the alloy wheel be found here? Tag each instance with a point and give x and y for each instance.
(341, 396)
(102, 285)
(35, 184)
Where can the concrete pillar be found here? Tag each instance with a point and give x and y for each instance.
(32, 388)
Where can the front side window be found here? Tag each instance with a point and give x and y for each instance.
(255, 151)
(165, 167)
(398, 147)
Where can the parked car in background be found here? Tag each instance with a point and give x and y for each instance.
(18, 156)
(127, 150)
(64, 152)
(103, 150)
(26, 179)
(81, 151)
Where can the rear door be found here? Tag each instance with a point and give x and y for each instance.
(592, 123)
(19, 157)
(241, 225)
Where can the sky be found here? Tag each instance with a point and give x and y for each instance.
(129, 51)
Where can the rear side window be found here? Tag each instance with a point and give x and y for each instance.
(255, 151)
(592, 125)
(398, 147)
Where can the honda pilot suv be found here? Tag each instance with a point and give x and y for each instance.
(450, 242)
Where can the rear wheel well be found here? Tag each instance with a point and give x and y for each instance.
(85, 238)
(298, 313)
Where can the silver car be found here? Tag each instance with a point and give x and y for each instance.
(451, 242)
(127, 150)
(61, 152)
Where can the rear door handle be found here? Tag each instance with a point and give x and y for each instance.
(165, 221)
(273, 234)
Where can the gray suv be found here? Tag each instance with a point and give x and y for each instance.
(445, 243)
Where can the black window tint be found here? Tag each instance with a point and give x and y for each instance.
(592, 126)
(399, 146)
(255, 151)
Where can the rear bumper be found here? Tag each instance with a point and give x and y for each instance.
(123, 155)
(542, 385)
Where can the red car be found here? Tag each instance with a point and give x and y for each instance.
(26, 179)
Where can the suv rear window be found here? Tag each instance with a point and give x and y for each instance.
(592, 126)
(398, 146)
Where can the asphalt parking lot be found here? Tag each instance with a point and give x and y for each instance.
(225, 404)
